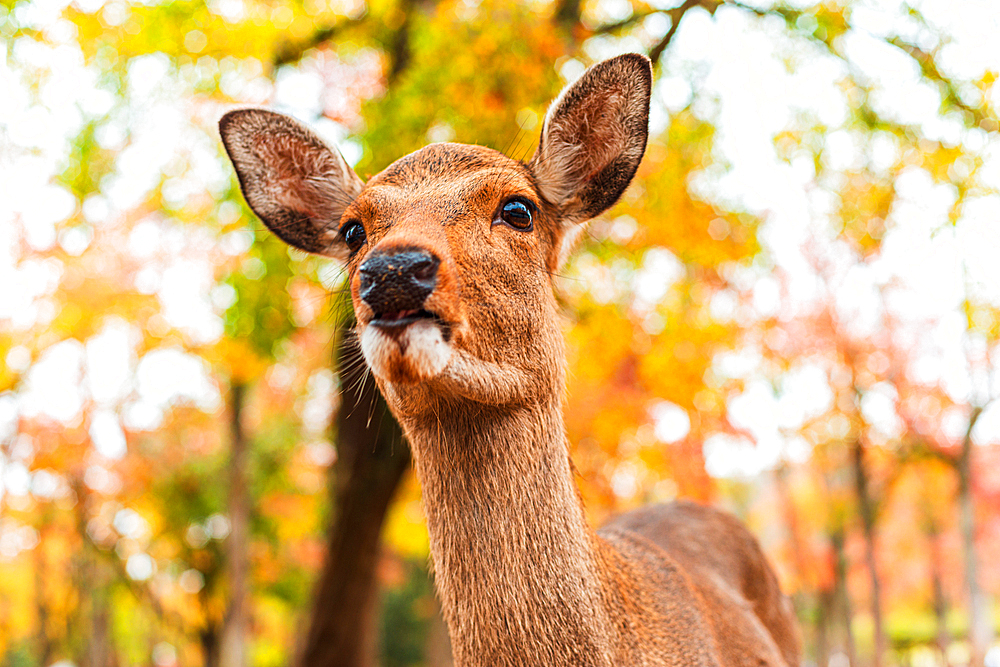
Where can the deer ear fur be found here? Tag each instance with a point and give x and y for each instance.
(594, 137)
(295, 183)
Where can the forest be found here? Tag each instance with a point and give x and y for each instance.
(792, 314)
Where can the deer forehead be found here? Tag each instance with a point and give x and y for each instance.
(447, 181)
(444, 161)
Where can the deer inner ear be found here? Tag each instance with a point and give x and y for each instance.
(594, 137)
(295, 183)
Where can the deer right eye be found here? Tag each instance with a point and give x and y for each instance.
(354, 235)
(517, 214)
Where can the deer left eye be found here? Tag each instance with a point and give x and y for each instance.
(354, 235)
(517, 214)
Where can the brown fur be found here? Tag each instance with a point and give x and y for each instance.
(523, 579)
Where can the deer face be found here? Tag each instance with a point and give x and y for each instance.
(450, 250)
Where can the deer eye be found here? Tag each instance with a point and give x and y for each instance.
(354, 235)
(517, 214)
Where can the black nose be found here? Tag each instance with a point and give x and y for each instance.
(399, 280)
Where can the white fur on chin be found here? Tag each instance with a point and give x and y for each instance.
(420, 352)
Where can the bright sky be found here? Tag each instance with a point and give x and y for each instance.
(733, 59)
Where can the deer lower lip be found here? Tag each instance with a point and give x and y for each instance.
(395, 323)
(402, 319)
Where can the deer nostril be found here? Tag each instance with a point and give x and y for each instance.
(399, 280)
(426, 269)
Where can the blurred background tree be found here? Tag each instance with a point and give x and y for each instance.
(793, 313)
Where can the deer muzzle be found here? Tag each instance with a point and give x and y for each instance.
(395, 283)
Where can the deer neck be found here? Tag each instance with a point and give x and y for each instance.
(517, 567)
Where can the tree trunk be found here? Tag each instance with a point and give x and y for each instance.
(825, 599)
(371, 460)
(233, 646)
(803, 580)
(840, 586)
(100, 650)
(43, 641)
(980, 625)
(792, 524)
(208, 638)
(866, 508)
(940, 603)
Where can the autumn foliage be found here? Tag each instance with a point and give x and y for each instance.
(793, 313)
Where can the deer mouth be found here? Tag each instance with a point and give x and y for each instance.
(396, 322)
(401, 318)
(406, 346)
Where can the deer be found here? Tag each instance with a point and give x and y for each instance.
(449, 256)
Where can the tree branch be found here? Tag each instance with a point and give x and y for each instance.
(291, 52)
(399, 45)
(974, 415)
(612, 28)
(924, 59)
(676, 14)
(567, 14)
(928, 67)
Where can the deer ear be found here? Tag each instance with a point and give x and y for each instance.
(594, 136)
(295, 183)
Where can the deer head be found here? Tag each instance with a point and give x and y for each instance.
(451, 249)
(449, 254)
